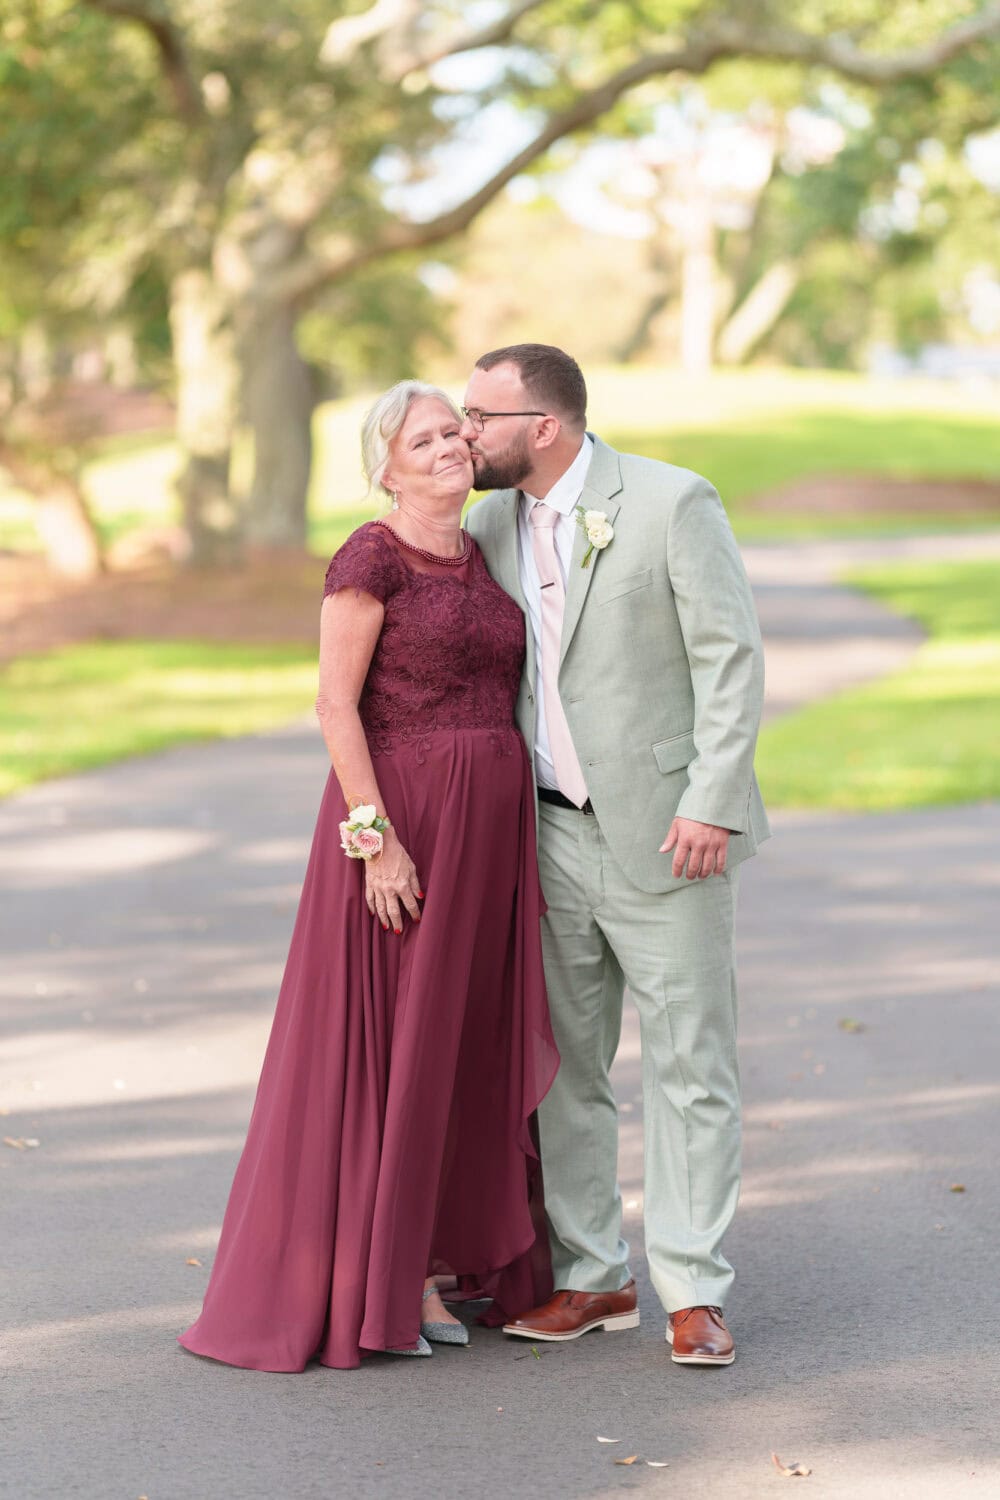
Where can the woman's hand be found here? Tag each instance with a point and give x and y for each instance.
(391, 883)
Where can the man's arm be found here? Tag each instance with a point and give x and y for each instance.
(722, 639)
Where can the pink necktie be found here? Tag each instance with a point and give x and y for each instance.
(568, 774)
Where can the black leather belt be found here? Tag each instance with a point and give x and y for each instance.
(547, 794)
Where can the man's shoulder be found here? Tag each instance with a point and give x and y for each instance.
(640, 475)
(656, 474)
(483, 512)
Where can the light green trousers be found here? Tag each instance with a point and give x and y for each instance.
(675, 953)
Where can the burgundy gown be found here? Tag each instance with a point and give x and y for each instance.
(391, 1137)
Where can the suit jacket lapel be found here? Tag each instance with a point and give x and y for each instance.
(603, 481)
(508, 561)
(508, 570)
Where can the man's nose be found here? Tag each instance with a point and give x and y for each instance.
(467, 431)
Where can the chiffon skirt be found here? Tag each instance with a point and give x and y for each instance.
(391, 1137)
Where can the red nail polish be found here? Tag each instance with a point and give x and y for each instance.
(397, 930)
(420, 895)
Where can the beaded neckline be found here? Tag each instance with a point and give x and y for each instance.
(430, 556)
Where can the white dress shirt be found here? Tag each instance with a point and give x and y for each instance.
(564, 496)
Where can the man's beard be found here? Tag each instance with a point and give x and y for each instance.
(506, 470)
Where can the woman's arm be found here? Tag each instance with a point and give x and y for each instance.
(349, 629)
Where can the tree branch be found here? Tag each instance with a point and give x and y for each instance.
(726, 39)
(469, 41)
(169, 43)
(839, 53)
(348, 34)
(345, 36)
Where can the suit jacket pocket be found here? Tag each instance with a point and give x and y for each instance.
(627, 585)
(676, 753)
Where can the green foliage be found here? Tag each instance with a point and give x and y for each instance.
(375, 327)
(928, 735)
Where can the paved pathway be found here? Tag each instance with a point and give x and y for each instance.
(145, 914)
(822, 637)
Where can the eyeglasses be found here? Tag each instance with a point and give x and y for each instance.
(478, 418)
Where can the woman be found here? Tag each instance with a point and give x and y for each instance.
(390, 1141)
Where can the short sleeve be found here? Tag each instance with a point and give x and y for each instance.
(365, 562)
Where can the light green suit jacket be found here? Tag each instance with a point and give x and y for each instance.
(661, 666)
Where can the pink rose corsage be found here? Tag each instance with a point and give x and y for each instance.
(361, 833)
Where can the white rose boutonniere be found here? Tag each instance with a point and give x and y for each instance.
(597, 529)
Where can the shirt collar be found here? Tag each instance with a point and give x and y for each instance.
(565, 494)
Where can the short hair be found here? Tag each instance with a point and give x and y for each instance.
(384, 420)
(549, 376)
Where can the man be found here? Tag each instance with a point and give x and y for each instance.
(640, 701)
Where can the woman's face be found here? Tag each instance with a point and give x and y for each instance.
(428, 460)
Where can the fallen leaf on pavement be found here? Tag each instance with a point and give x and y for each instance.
(627, 1461)
(192, 1260)
(957, 1187)
(609, 1440)
(21, 1142)
(846, 1023)
(790, 1471)
(535, 1352)
(651, 1463)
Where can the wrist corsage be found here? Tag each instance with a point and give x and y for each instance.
(361, 832)
(597, 529)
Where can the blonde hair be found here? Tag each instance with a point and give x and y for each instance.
(384, 420)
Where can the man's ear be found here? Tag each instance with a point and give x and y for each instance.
(548, 430)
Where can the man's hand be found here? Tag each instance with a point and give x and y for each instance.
(701, 845)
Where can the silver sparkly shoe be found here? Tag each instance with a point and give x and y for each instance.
(443, 1333)
(422, 1350)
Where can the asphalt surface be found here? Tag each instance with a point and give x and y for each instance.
(145, 914)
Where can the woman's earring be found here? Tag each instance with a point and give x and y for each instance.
(395, 499)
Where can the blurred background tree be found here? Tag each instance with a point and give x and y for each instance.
(257, 189)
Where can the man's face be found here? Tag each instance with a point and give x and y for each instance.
(502, 452)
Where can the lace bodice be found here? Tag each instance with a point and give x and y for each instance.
(452, 642)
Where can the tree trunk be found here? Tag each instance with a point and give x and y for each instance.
(698, 313)
(36, 361)
(757, 313)
(207, 384)
(278, 402)
(67, 531)
(63, 521)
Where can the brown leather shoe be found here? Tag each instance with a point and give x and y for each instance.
(700, 1337)
(568, 1314)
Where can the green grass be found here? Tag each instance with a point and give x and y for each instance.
(85, 706)
(750, 431)
(744, 463)
(930, 734)
(927, 735)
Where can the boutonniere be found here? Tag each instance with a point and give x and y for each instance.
(597, 529)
